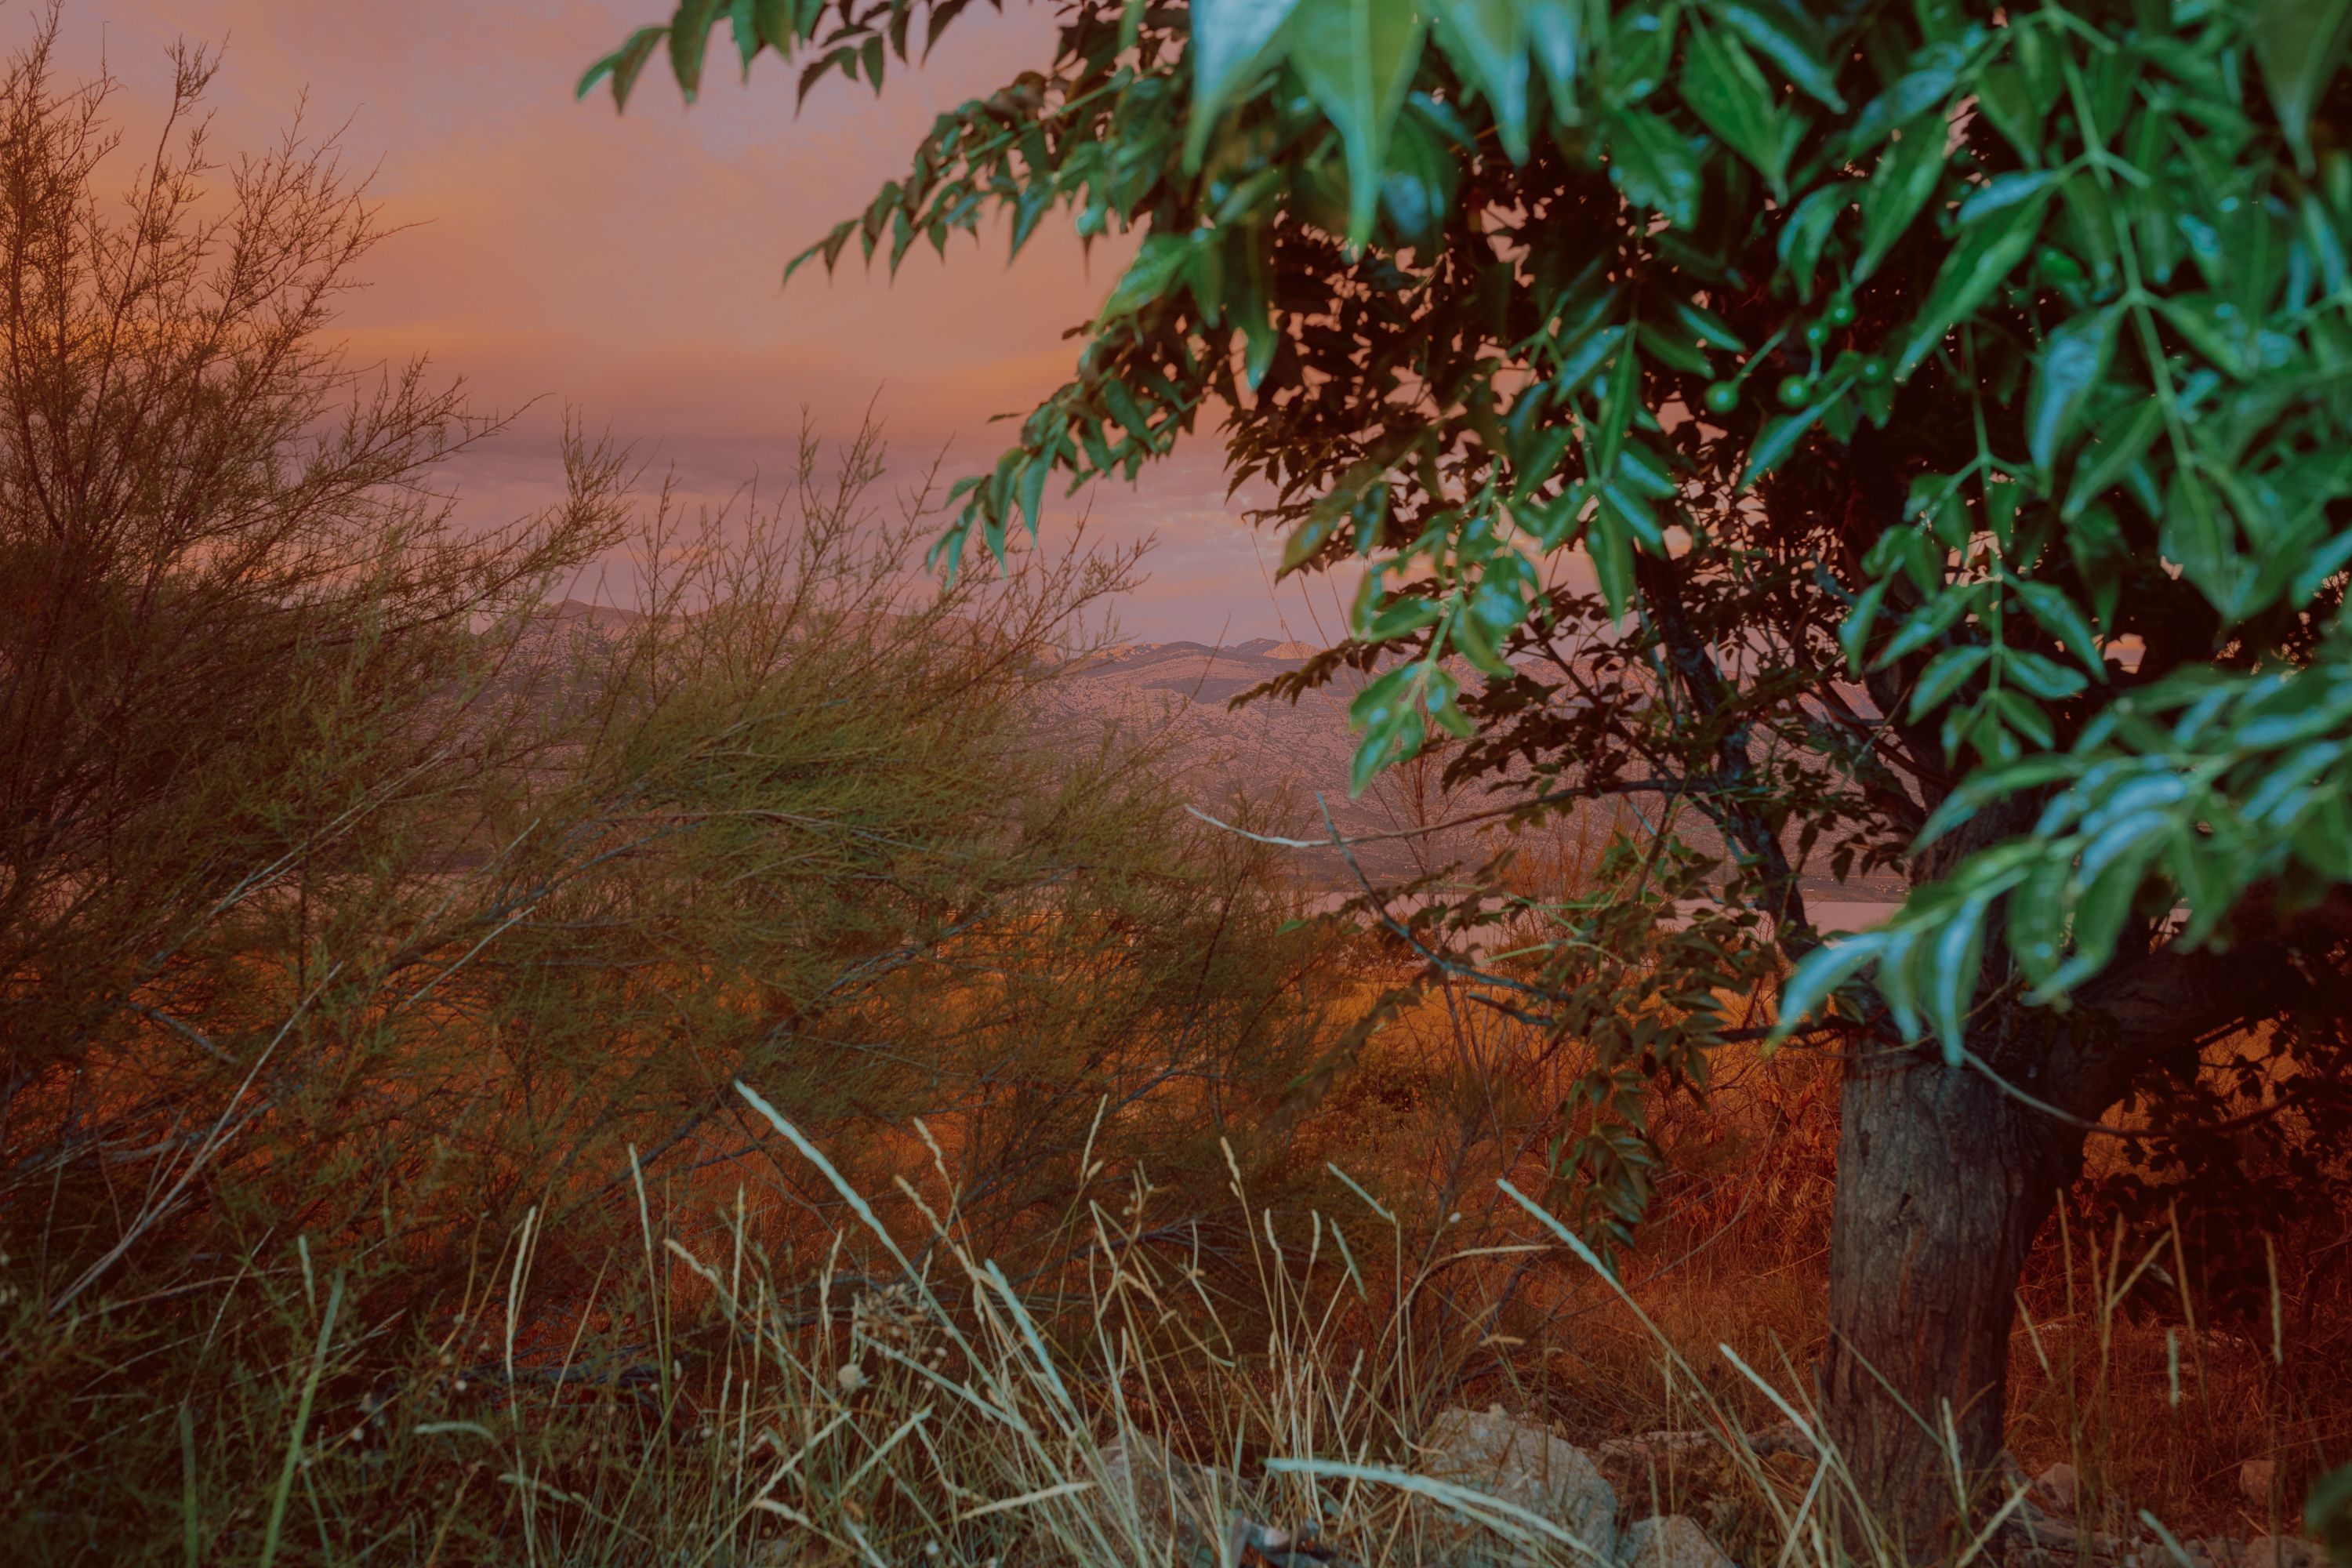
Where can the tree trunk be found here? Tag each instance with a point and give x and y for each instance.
(1942, 1184)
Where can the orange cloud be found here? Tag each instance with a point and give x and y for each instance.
(628, 266)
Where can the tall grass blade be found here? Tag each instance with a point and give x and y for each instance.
(301, 1425)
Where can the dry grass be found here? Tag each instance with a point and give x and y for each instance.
(727, 1382)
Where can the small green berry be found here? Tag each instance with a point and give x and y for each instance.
(1721, 397)
(1872, 370)
(1794, 391)
(1841, 313)
(1817, 334)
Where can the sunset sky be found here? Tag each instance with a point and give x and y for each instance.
(628, 267)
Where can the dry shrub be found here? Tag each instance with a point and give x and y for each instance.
(365, 908)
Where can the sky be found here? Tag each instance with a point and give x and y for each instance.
(629, 267)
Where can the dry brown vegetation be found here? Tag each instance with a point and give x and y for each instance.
(383, 936)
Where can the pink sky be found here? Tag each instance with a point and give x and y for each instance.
(628, 266)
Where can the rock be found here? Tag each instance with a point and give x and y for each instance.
(1671, 1540)
(2045, 1523)
(2256, 1478)
(2284, 1551)
(1173, 1500)
(1527, 1468)
(2201, 1554)
(2057, 1488)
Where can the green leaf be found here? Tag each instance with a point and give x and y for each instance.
(1488, 42)
(2044, 678)
(1388, 712)
(1031, 491)
(1926, 623)
(2058, 616)
(1231, 42)
(1927, 88)
(1356, 59)
(2299, 43)
(1617, 406)
(1537, 458)
(1708, 327)
(2121, 442)
(1558, 30)
(2216, 328)
(2113, 866)
(1820, 973)
(1440, 694)
(1959, 956)
(1249, 289)
(1495, 608)
(1944, 675)
(1640, 468)
(1639, 50)
(1985, 255)
(1337, 505)
(1147, 277)
(2008, 103)
(1417, 185)
(1853, 634)
(745, 25)
(1907, 177)
(2003, 191)
(1788, 36)
(1124, 408)
(2023, 715)
(1668, 347)
(1638, 518)
(2072, 361)
(689, 35)
(1777, 439)
(1399, 617)
(774, 19)
(1726, 91)
(1649, 161)
(623, 65)
(1610, 544)
(2197, 534)
(1807, 229)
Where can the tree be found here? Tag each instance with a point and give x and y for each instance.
(225, 556)
(1949, 401)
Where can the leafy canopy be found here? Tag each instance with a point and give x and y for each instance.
(1952, 399)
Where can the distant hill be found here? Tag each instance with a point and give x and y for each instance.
(1276, 750)
(1283, 753)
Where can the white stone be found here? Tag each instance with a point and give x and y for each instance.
(2058, 1488)
(1670, 1541)
(2284, 1551)
(1171, 1502)
(1527, 1468)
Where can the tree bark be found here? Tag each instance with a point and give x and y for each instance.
(1943, 1182)
(1946, 1176)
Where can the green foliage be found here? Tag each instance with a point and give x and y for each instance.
(2087, 318)
(2328, 1514)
